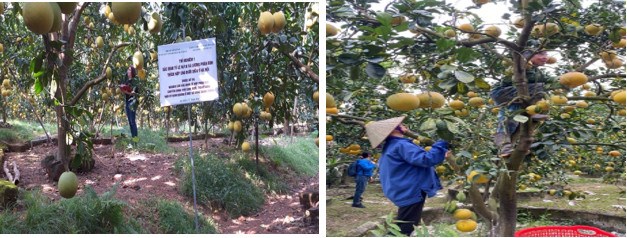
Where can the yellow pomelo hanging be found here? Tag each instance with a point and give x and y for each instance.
(403, 102)
(38, 16)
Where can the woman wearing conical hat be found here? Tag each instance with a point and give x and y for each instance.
(406, 170)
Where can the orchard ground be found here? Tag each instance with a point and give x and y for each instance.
(155, 172)
(344, 220)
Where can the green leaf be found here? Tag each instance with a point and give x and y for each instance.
(445, 134)
(383, 30)
(348, 58)
(428, 125)
(397, 233)
(463, 76)
(464, 153)
(377, 233)
(344, 12)
(452, 127)
(402, 27)
(447, 84)
(384, 18)
(465, 54)
(482, 84)
(372, 49)
(402, 42)
(521, 118)
(366, 28)
(444, 44)
(38, 86)
(395, 227)
(376, 60)
(36, 64)
(615, 35)
(375, 70)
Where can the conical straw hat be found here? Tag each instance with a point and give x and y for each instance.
(377, 131)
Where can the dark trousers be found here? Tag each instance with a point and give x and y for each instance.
(359, 188)
(410, 215)
(130, 114)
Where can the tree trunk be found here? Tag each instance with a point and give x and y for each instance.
(508, 210)
(286, 125)
(4, 110)
(62, 128)
(141, 120)
(294, 114)
(148, 120)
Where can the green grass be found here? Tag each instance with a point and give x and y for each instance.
(221, 183)
(301, 154)
(89, 213)
(260, 175)
(149, 141)
(173, 219)
(23, 131)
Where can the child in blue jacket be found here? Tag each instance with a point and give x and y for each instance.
(408, 176)
(365, 167)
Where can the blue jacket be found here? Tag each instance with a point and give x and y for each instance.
(365, 167)
(406, 169)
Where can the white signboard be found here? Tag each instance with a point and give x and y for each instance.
(188, 72)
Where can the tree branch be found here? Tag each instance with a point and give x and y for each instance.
(70, 31)
(589, 98)
(478, 204)
(98, 79)
(525, 33)
(606, 76)
(593, 143)
(354, 122)
(584, 66)
(303, 68)
(470, 43)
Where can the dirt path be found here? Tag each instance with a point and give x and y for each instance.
(143, 176)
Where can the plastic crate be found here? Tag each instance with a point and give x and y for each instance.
(563, 231)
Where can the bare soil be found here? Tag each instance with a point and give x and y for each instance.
(144, 176)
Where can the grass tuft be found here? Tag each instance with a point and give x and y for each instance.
(88, 213)
(221, 183)
(260, 175)
(301, 154)
(23, 131)
(173, 219)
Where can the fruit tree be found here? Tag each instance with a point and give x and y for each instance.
(68, 59)
(436, 62)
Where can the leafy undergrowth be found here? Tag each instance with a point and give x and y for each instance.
(88, 213)
(91, 213)
(342, 218)
(238, 184)
(23, 131)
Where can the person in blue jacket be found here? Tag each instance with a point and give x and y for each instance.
(407, 175)
(365, 168)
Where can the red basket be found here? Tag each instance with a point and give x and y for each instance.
(563, 231)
